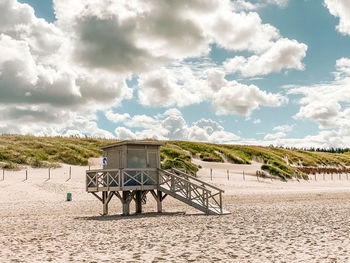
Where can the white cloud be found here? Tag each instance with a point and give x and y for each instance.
(256, 121)
(172, 126)
(116, 117)
(236, 98)
(281, 3)
(172, 111)
(38, 81)
(280, 132)
(322, 102)
(124, 133)
(140, 35)
(176, 86)
(284, 128)
(240, 5)
(142, 121)
(183, 86)
(322, 112)
(242, 31)
(341, 9)
(55, 72)
(284, 54)
(274, 136)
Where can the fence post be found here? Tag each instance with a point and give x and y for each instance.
(70, 173)
(49, 174)
(3, 174)
(257, 176)
(228, 175)
(243, 176)
(211, 174)
(339, 176)
(26, 175)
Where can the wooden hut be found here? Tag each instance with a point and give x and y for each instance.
(132, 169)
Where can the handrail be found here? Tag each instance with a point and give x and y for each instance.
(139, 169)
(198, 180)
(183, 179)
(121, 169)
(102, 170)
(119, 176)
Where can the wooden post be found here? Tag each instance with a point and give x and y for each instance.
(257, 176)
(49, 174)
(228, 175)
(211, 174)
(159, 201)
(339, 176)
(138, 201)
(243, 176)
(105, 202)
(205, 195)
(89, 167)
(220, 202)
(126, 203)
(3, 174)
(70, 173)
(26, 175)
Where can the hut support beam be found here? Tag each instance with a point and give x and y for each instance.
(138, 201)
(106, 198)
(159, 197)
(126, 199)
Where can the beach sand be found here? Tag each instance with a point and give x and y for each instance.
(271, 221)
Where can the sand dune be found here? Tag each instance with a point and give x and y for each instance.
(271, 221)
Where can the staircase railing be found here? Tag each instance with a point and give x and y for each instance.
(215, 196)
(201, 193)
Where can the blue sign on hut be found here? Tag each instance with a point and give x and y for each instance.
(132, 169)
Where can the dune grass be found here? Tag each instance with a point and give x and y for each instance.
(17, 150)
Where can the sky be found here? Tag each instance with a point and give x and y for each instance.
(263, 72)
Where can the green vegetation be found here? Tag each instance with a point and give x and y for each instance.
(17, 150)
(174, 157)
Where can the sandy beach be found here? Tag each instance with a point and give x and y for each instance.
(271, 221)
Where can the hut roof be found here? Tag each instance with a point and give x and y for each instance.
(133, 142)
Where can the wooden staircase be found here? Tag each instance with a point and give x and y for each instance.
(192, 191)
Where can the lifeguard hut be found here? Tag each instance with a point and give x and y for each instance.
(132, 169)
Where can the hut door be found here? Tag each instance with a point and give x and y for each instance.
(152, 159)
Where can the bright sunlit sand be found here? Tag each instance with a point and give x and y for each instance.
(271, 221)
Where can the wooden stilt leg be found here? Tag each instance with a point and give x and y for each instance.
(105, 202)
(138, 201)
(159, 201)
(126, 203)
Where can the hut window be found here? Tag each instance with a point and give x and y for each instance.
(137, 158)
(152, 159)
